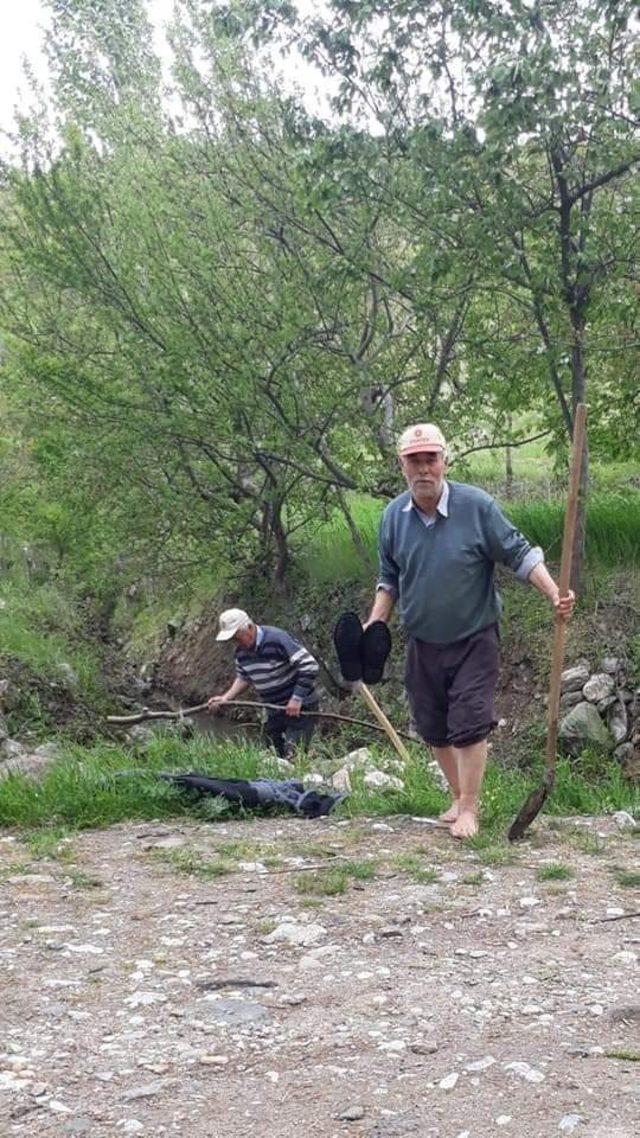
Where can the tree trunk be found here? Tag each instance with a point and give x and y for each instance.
(508, 456)
(356, 536)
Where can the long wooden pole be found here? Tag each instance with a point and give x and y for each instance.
(146, 714)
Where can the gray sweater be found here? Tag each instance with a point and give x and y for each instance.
(442, 574)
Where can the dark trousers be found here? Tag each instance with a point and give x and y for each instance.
(286, 732)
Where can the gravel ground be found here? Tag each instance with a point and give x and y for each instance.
(142, 999)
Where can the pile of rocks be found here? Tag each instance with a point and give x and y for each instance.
(597, 707)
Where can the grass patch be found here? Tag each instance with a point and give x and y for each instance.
(50, 842)
(102, 785)
(473, 879)
(413, 865)
(327, 883)
(80, 880)
(333, 881)
(555, 872)
(193, 863)
(627, 878)
(625, 1056)
(613, 523)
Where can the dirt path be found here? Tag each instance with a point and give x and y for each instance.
(448, 995)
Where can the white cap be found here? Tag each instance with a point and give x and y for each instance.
(231, 621)
(421, 437)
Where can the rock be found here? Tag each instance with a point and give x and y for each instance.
(341, 780)
(581, 726)
(569, 1122)
(570, 699)
(378, 780)
(352, 1113)
(480, 1064)
(598, 687)
(48, 751)
(290, 932)
(628, 959)
(283, 765)
(4, 730)
(525, 1071)
(624, 821)
(314, 779)
(11, 749)
(234, 1013)
(428, 1047)
(618, 721)
(449, 1081)
(611, 665)
(148, 1090)
(68, 677)
(603, 705)
(358, 759)
(574, 679)
(623, 753)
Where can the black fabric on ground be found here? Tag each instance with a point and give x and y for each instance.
(347, 638)
(259, 792)
(375, 647)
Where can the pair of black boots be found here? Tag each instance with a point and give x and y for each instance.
(362, 653)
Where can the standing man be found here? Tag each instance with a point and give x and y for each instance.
(280, 670)
(439, 544)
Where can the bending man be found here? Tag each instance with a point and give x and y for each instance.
(280, 670)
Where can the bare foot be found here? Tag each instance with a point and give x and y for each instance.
(451, 814)
(465, 826)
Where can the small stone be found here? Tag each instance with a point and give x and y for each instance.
(214, 1060)
(394, 1045)
(148, 1090)
(378, 780)
(390, 931)
(569, 1122)
(503, 1120)
(611, 665)
(449, 1081)
(624, 821)
(480, 1064)
(525, 1071)
(341, 780)
(627, 958)
(352, 1113)
(428, 1047)
(130, 1125)
(618, 721)
(624, 753)
(291, 932)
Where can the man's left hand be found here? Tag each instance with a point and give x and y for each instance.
(564, 605)
(293, 707)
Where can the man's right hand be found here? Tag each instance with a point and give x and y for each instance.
(215, 704)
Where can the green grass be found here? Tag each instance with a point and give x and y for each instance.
(193, 863)
(83, 789)
(613, 523)
(627, 879)
(555, 872)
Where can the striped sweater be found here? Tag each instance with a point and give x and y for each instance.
(278, 667)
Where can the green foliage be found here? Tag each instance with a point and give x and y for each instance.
(106, 784)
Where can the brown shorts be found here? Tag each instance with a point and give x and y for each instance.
(451, 688)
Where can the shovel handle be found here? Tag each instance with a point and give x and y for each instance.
(560, 630)
(375, 708)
